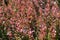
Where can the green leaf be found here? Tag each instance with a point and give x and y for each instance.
(25, 37)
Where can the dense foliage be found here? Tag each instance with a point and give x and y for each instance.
(29, 19)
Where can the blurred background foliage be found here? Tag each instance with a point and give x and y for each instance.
(58, 3)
